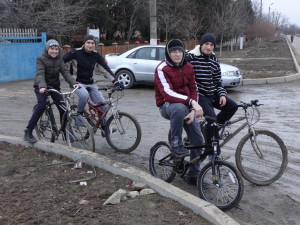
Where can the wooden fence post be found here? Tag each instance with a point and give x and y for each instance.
(115, 47)
(100, 48)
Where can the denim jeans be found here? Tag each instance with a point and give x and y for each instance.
(93, 93)
(175, 112)
(41, 106)
(226, 112)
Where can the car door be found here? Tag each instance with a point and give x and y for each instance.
(144, 61)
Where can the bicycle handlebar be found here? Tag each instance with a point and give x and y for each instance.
(50, 89)
(245, 105)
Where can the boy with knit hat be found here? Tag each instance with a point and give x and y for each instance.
(49, 65)
(209, 83)
(176, 97)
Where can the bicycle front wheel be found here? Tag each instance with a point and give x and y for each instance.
(161, 162)
(261, 159)
(79, 133)
(123, 132)
(45, 126)
(224, 189)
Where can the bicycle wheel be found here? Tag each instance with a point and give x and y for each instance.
(44, 127)
(161, 162)
(225, 189)
(123, 132)
(80, 135)
(261, 159)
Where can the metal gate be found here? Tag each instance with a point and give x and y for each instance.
(18, 57)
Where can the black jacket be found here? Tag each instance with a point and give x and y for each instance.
(86, 63)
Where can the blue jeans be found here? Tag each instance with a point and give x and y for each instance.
(41, 106)
(93, 93)
(226, 112)
(175, 112)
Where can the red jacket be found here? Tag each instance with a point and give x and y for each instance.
(175, 84)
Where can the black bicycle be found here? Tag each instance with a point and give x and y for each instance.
(261, 155)
(75, 130)
(218, 182)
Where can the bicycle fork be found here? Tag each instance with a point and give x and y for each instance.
(118, 122)
(254, 144)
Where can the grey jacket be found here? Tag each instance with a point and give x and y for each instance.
(48, 70)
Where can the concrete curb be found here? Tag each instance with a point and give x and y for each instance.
(200, 207)
(274, 80)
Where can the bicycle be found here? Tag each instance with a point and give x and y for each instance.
(218, 182)
(261, 156)
(122, 131)
(78, 136)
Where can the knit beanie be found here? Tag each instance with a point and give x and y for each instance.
(51, 43)
(174, 45)
(89, 37)
(208, 38)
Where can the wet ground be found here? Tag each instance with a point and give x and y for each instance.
(274, 204)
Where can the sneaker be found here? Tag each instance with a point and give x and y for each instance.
(79, 122)
(190, 180)
(28, 136)
(113, 130)
(180, 151)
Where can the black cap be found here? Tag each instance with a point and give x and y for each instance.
(89, 37)
(174, 45)
(208, 38)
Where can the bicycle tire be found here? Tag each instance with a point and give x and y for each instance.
(161, 162)
(44, 127)
(80, 136)
(266, 169)
(228, 188)
(124, 133)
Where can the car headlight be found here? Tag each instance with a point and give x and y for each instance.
(231, 73)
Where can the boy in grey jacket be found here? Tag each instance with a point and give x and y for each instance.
(49, 65)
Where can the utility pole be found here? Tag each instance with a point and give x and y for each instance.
(153, 23)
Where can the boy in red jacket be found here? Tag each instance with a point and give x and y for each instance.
(176, 97)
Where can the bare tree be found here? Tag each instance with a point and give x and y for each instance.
(56, 17)
(167, 15)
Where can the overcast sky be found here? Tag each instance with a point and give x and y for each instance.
(288, 8)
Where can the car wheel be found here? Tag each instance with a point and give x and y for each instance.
(126, 77)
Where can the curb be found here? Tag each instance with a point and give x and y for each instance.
(274, 80)
(206, 210)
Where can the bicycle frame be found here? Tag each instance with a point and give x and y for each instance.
(99, 115)
(247, 123)
(64, 105)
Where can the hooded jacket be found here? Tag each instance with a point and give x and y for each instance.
(174, 84)
(48, 70)
(207, 73)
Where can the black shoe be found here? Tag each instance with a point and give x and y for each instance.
(190, 180)
(28, 136)
(180, 151)
(113, 130)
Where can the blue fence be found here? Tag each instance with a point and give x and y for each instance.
(18, 57)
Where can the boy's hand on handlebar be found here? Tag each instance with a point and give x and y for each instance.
(198, 109)
(43, 90)
(76, 85)
(119, 85)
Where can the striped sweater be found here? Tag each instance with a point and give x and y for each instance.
(207, 73)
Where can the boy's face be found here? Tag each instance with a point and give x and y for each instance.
(53, 51)
(176, 56)
(207, 48)
(89, 46)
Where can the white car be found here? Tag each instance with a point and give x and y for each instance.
(138, 65)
